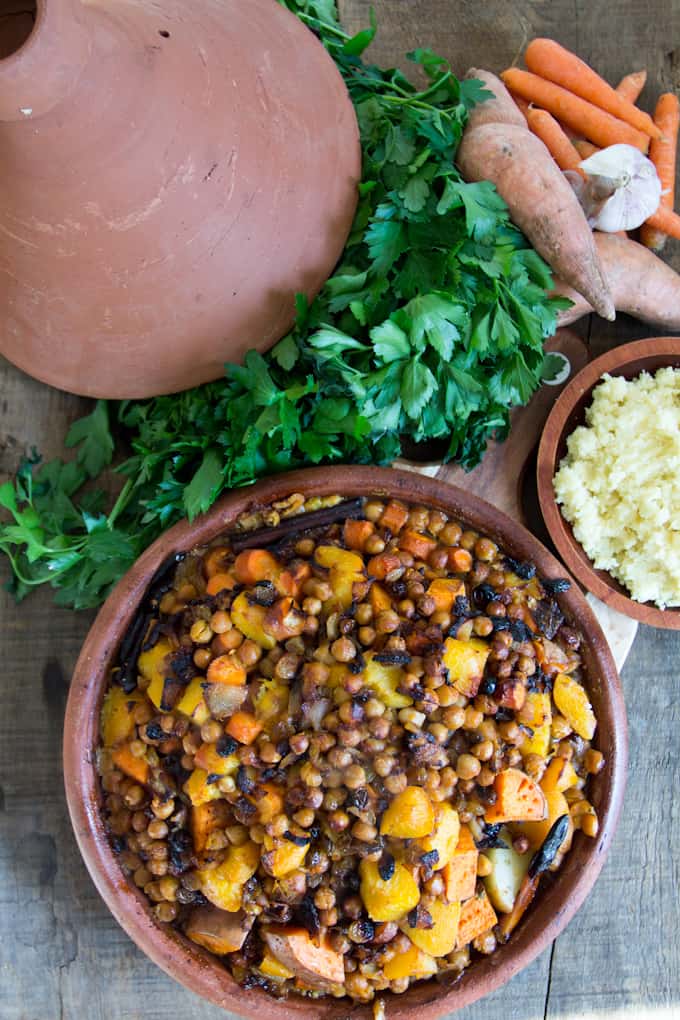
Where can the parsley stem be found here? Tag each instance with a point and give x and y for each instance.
(121, 502)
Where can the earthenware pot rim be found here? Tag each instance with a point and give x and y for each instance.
(599, 582)
(195, 968)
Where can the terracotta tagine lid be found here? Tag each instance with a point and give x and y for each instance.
(170, 176)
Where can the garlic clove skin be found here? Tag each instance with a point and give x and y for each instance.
(638, 188)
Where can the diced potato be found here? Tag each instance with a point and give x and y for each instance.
(117, 717)
(442, 937)
(223, 885)
(414, 963)
(444, 839)
(192, 703)
(509, 868)
(572, 700)
(465, 661)
(218, 931)
(387, 900)
(477, 916)
(199, 790)
(409, 815)
(518, 798)
(384, 681)
(316, 965)
(460, 874)
(250, 621)
(282, 856)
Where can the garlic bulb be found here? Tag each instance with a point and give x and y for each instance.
(637, 187)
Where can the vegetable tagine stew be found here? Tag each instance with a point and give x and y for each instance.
(343, 744)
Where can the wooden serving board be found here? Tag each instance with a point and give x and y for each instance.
(506, 477)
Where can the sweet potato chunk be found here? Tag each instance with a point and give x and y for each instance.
(460, 874)
(226, 669)
(476, 917)
(218, 930)
(316, 965)
(518, 799)
(445, 591)
(250, 621)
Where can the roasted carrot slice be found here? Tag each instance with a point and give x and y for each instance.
(518, 799)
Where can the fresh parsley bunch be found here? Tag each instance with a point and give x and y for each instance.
(431, 328)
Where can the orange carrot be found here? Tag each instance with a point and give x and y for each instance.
(580, 116)
(394, 516)
(226, 669)
(665, 220)
(355, 533)
(220, 582)
(553, 137)
(135, 768)
(381, 565)
(632, 85)
(548, 59)
(244, 727)
(585, 148)
(420, 546)
(460, 560)
(255, 565)
(663, 154)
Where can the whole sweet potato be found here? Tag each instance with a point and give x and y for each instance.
(540, 199)
(641, 284)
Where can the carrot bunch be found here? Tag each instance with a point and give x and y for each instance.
(575, 112)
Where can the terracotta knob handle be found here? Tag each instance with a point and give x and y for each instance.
(46, 68)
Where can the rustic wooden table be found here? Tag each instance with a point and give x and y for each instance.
(62, 956)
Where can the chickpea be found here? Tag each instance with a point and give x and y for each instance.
(343, 649)
(484, 750)
(593, 761)
(590, 825)
(450, 533)
(310, 775)
(395, 783)
(355, 777)
(373, 510)
(249, 653)
(559, 727)
(304, 547)
(201, 632)
(366, 636)
(467, 766)
(338, 820)
(486, 777)
(387, 622)
(374, 545)
(454, 718)
(482, 626)
(473, 718)
(364, 831)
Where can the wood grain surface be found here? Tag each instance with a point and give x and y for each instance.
(62, 956)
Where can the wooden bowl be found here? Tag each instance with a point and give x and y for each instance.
(568, 413)
(204, 974)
